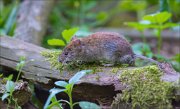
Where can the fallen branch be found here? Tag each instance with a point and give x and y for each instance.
(99, 87)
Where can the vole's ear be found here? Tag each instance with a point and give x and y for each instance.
(77, 42)
(74, 38)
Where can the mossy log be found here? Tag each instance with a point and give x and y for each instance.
(22, 93)
(99, 87)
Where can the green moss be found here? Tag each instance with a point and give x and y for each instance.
(118, 68)
(52, 58)
(145, 89)
(114, 70)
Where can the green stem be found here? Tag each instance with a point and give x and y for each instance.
(19, 73)
(143, 37)
(59, 101)
(70, 98)
(159, 40)
(144, 41)
(75, 103)
(8, 104)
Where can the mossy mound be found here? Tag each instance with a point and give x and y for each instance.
(145, 89)
(52, 57)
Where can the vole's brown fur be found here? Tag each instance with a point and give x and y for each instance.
(100, 46)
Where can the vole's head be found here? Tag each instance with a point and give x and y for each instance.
(128, 59)
(71, 51)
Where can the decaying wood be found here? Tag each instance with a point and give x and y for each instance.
(32, 20)
(27, 105)
(100, 87)
(22, 93)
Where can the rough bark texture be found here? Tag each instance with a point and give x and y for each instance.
(100, 87)
(32, 20)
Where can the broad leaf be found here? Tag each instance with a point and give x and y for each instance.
(141, 48)
(10, 77)
(88, 105)
(10, 86)
(67, 34)
(139, 25)
(79, 75)
(150, 18)
(4, 96)
(102, 16)
(53, 92)
(61, 83)
(56, 42)
(162, 17)
(159, 18)
(169, 24)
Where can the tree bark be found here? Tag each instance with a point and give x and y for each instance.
(32, 20)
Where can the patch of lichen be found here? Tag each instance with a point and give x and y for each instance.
(52, 57)
(145, 89)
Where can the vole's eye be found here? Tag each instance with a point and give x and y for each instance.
(66, 53)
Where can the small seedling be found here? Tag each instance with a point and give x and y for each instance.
(66, 35)
(67, 87)
(8, 94)
(140, 26)
(159, 22)
(20, 65)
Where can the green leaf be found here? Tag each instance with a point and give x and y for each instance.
(140, 26)
(142, 49)
(79, 75)
(53, 92)
(159, 18)
(160, 57)
(150, 18)
(22, 58)
(169, 24)
(68, 88)
(10, 77)
(22, 62)
(88, 105)
(11, 19)
(20, 65)
(4, 96)
(57, 104)
(102, 16)
(68, 34)
(61, 83)
(176, 58)
(10, 86)
(56, 42)
(1, 75)
(162, 17)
